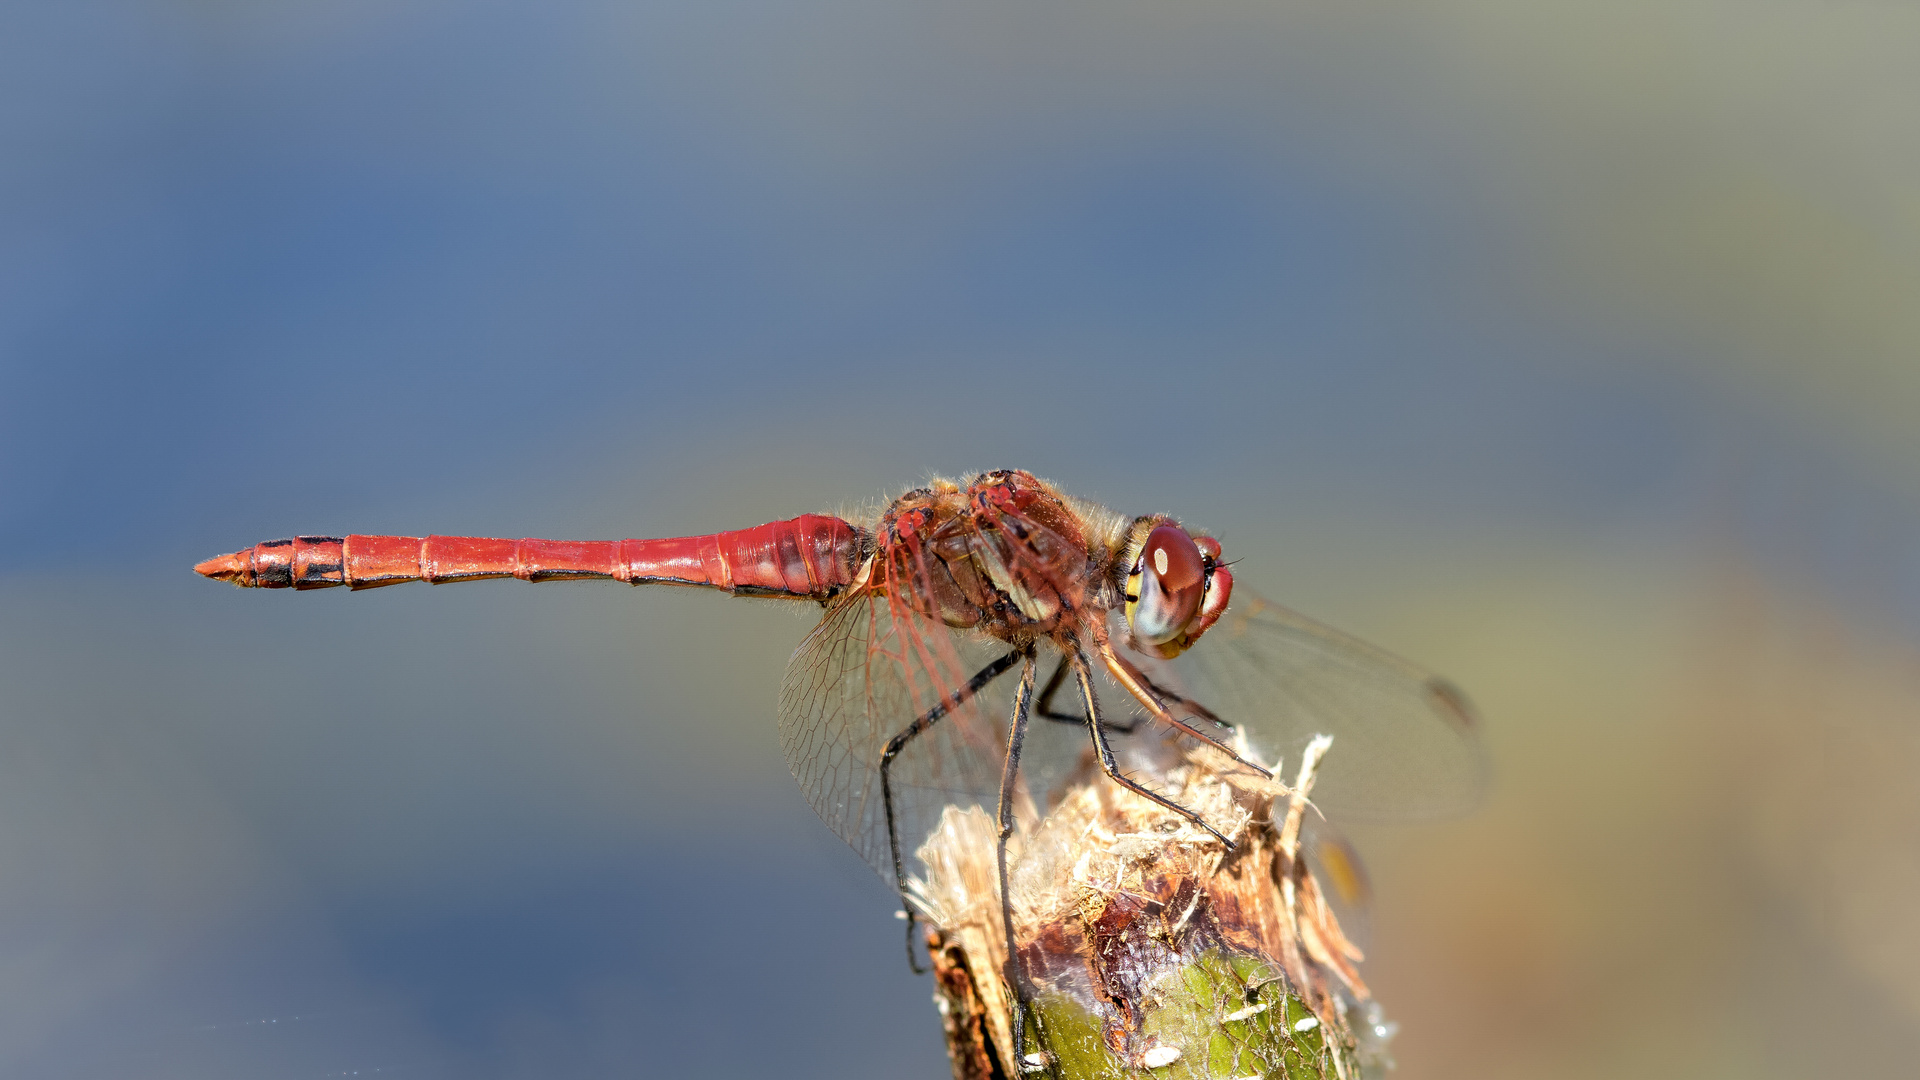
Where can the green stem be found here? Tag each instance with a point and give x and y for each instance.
(1209, 1018)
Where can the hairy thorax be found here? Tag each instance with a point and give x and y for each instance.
(1005, 554)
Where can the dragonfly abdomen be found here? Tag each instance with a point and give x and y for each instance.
(811, 556)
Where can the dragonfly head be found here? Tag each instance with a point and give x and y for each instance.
(1176, 587)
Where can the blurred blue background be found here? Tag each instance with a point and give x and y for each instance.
(1571, 349)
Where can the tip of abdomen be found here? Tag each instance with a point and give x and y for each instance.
(236, 569)
(303, 562)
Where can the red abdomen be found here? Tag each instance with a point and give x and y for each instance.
(809, 556)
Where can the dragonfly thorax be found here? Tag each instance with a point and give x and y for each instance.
(1003, 555)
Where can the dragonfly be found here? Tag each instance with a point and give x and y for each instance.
(916, 690)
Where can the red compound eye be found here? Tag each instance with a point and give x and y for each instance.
(1168, 581)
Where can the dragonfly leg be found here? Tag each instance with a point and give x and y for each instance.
(1186, 703)
(1085, 676)
(1016, 978)
(898, 743)
(1137, 684)
(1046, 711)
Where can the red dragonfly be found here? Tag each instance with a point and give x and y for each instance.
(895, 706)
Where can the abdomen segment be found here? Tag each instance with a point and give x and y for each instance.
(811, 556)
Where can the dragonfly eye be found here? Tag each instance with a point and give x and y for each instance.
(1165, 588)
(1219, 591)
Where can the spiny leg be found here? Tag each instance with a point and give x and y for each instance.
(1112, 768)
(1136, 682)
(898, 743)
(1044, 706)
(1187, 703)
(1016, 979)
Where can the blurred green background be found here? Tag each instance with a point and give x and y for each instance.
(1570, 348)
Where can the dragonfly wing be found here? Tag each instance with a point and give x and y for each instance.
(860, 678)
(1405, 741)
(1341, 875)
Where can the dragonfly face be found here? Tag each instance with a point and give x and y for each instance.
(1176, 589)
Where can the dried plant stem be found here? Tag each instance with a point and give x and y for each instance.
(1152, 949)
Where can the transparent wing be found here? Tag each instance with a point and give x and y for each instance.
(861, 678)
(1405, 740)
(1342, 876)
